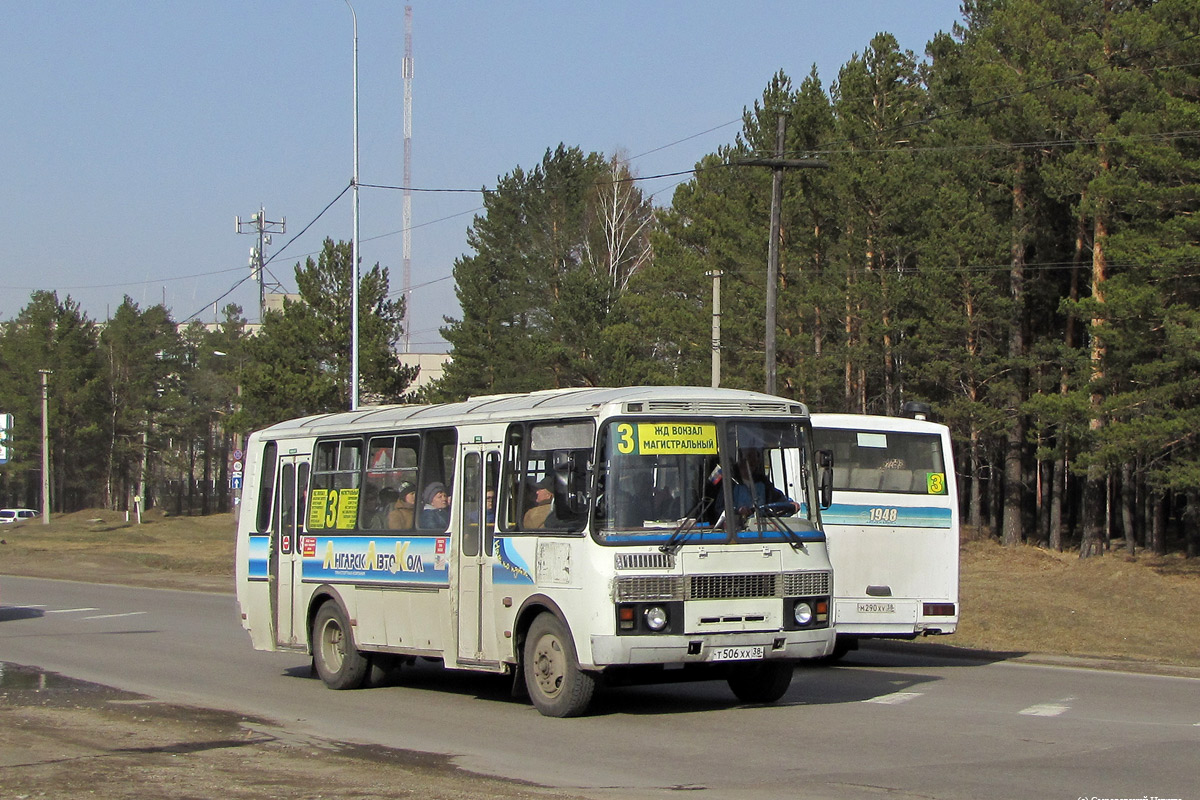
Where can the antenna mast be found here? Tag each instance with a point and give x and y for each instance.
(407, 222)
(264, 228)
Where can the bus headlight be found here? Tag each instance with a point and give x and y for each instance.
(802, 612)
(656, 618)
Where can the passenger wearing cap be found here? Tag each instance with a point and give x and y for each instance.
(436, 512)
(402, 513)
(543, 494)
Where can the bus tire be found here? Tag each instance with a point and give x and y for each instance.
(338, 661)
(761, 682)
(556, 684)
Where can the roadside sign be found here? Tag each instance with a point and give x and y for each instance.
(6, 423)
(235, 482)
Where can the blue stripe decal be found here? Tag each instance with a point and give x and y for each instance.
(509, 567)
(886, 516)
(259, 553)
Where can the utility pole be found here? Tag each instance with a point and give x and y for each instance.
(264, 228)
(716, 274)
(778, 164)
(45, 373)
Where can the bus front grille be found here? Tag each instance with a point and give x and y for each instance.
(649, 588)
(726, 587)
(645, 561)
(805, 584)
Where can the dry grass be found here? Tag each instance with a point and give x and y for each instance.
(102, 546)
(1027, 599)
(1020, 599)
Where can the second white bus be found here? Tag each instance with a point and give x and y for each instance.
(893, 527)
(566, 538)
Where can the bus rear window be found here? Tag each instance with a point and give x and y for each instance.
(885, 461)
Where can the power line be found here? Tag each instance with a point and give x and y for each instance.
(272, 258)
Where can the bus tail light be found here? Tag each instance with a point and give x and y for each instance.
(938, 609)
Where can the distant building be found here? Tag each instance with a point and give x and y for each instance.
(432, 366)
(274, 301)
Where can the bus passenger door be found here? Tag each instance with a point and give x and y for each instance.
(286, 561)
(480, 477)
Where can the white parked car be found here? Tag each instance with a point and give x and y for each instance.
(10, 515)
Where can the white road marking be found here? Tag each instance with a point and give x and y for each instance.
(69, 610)
(113, 616)
(1049, 709)
(894, 699)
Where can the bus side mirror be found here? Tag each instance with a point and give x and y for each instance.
(825, 481)
(564, 480)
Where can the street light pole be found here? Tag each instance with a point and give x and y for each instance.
(354, 239)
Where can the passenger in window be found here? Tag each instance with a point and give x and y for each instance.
(543, 494)
(401, 515)
(436, 512)
(387, 499)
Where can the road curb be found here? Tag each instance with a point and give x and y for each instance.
(926, 648)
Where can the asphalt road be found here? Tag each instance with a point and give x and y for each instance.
(894, 722)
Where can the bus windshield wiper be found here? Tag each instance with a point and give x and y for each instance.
(771, 513)
(685, 527)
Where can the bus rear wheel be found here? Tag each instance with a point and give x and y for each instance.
(338, 661)
(761, 682)
(556, 684)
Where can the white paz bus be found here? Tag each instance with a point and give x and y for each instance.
(566, 538)
(893, 526)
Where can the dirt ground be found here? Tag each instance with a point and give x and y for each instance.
(62, 738)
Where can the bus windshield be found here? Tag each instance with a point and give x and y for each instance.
(703, 480)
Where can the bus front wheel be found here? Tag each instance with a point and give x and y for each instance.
(761, 682)
(556, 684)
(338, 661)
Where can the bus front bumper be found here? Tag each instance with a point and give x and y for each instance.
(785, 645)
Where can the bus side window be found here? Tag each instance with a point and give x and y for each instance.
(491, 491)
(266, 487)
(439, 448)
(391, 469)
(472, 505)
(549, 469)
(335, 485)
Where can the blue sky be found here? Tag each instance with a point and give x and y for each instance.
(134, 132)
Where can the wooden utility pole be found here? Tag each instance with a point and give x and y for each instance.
(778, 164)
(45, 445)
(716, 326)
